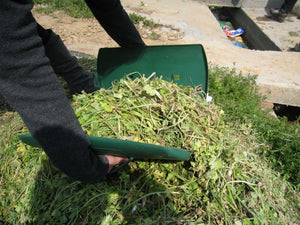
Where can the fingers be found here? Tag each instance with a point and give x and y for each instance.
(115, 160)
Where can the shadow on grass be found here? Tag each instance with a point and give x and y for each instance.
(123, 198)
(4, 106)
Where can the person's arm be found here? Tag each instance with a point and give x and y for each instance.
(30, 86)
(116, 22)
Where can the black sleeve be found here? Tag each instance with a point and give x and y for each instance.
(30, 86)
(116, 22)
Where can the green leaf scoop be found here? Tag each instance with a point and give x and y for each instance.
(117, 147)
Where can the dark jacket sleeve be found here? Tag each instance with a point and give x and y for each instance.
(116, 22)
(30, 86)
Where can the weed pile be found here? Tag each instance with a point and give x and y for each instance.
(154, 112)
(225, 182)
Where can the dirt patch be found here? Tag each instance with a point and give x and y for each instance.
(87, 36)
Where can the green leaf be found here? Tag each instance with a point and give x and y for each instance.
(107, 107)
(118, 95)
(149, 90)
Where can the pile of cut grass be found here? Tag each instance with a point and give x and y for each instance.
(225, 182)
(155, 112)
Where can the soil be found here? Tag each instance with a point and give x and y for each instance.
(87, 36)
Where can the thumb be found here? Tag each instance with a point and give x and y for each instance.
(115, 160)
